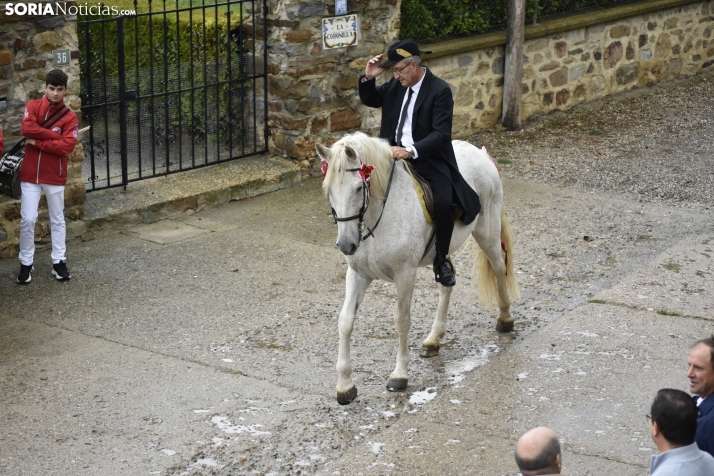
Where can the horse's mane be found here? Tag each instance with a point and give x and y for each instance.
(370, 151)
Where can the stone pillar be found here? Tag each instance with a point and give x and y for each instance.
(312, 92)
(26, 45)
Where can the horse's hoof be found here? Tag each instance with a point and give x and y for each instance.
(502, 326)
(429, 350)
(345, 398)
(397, 384)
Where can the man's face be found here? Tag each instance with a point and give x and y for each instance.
(406, 73)
(701, 372)
(55, 93)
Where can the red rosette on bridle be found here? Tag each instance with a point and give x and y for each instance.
(365, 171)
(323, 168)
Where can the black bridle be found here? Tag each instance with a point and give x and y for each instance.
(365, 204)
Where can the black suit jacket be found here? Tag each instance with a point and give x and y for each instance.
(705, 425)
(431, 129)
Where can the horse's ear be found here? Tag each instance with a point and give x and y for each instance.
(350, 152)
(323, 152)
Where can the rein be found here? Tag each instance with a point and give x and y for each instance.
(365, 205)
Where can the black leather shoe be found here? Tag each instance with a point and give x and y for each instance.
(444, 275)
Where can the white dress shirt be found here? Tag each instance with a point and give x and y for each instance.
(407, 139)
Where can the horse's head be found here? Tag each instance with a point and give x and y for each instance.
(346, 188)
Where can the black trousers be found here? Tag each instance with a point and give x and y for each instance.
(444, 198)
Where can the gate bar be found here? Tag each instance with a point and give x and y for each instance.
(122, 104)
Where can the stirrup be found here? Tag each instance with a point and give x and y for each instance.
(438, 265)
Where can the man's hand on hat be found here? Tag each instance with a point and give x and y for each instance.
(373, 70)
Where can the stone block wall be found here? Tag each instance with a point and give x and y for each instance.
(582, 64)
(26, 45)
(313, 92)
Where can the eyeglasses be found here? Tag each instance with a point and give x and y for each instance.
(398, 72)
(648, 416)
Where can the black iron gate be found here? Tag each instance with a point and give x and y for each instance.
(177, 87)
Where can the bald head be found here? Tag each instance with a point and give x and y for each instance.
(538, 452)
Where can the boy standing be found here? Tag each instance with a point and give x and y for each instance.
(50, 131)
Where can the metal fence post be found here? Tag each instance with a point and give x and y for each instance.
(266, 128)
(122, 103)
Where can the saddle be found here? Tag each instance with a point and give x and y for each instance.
(426, 196)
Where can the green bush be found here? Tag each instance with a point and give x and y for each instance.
(144, 42)
(430, 20)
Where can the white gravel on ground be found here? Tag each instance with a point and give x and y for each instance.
(655, 142)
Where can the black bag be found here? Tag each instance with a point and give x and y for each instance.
(11, 161)
(10, 170)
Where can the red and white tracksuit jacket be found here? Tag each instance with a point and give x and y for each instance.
(46, 161)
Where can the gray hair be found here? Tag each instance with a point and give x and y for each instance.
(545, 460)
(416, 59)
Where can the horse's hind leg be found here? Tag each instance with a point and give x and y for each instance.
(355, 289)
(405, 288)
(505, 318)
(430, 346)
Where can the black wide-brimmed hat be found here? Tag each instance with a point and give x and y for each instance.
(400, 50)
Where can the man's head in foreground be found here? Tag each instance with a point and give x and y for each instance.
(672, 419)
(538, 452)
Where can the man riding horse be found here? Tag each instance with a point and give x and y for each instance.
(417, 112)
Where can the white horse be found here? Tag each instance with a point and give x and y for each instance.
(400, 237)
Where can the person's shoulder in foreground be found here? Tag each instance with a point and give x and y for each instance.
(673, 425)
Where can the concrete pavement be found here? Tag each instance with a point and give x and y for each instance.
(206, 344)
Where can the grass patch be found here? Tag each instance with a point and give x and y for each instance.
(667, 313)
(596, 130)
(503, 161)
(596, 301)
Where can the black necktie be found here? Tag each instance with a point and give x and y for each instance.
(403, 118)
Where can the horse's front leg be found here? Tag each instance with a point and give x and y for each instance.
(405, 288)
(356, 287)
(430, 346)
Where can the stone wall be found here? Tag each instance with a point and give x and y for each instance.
(567, 68)
(26, 44)
(313, 92)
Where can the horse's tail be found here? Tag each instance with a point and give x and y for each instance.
(487, 287)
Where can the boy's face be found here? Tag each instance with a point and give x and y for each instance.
(55, 94)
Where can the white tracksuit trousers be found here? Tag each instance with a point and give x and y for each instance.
(28, 212)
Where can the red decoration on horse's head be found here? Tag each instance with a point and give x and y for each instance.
(323, 168)
(365, 171)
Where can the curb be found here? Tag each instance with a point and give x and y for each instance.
(113, 210)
